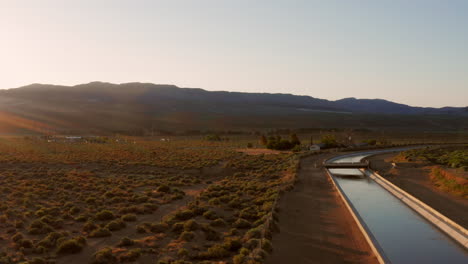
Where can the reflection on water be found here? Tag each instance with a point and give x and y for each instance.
(404, 235)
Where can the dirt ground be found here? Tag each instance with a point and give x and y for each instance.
(315, 226)
(256, 151)
(414, 178)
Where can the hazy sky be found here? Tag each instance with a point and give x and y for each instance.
(409, 51)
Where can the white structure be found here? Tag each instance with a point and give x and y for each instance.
(316, 147)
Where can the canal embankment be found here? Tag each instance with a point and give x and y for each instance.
(399, 233)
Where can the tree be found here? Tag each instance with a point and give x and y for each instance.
(263, 140)
(329, 141)
(295, 140)
(278, 143)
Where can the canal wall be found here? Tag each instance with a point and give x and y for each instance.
(452, 229)
(374, 245)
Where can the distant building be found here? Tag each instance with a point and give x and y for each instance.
(316, 147)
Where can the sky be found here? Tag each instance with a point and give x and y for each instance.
(413, 52)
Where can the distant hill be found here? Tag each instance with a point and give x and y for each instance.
(134, 108)
(387, 107)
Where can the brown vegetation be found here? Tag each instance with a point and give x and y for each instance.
(114, 202)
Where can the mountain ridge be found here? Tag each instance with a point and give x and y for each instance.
(95, 84)
(135, 106)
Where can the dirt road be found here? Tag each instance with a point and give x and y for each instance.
(315, 226)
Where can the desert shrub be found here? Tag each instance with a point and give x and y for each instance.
(89, 226)
(48, 220)
(233, 232)
(448, 182)
(225, 198)
(244, 251)
(198, 210)
(100, 232)
(248, 213)
(297, 148)
(104, 256)
(125, 242)
(129, 218)
(50, 240)
(132, 209)
(178, 227)
(214, 201)
(218, 222)
(17, 237)
(182, 253)
(105, 215)
(210, 234)
(191, 225)
(187, 236)
(267, 246)
(26, 243)
(210, 215)
(242, 223)
(178, 196)
(38, 227)
(81, 218)
(235, 203)
(60, 240)
(74, 210)
(214, 252)
(238, 259)
(259, 254)
(163, 188)
(253, 233)
(184, 215)
(252, 243)
(115, 225)
(267, 206)
(141, 229)
(232, 244)
(39, 250)
(259, 222)
(140, 199)
(71, 246)
(130, 256)
(40, 212)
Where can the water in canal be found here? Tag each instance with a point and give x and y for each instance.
(403, 235)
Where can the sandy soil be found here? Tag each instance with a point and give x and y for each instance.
(95, 244)
(213, 174)
(414, 178)
(315, 226)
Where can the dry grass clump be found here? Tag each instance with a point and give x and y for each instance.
(72, 246)
(232, 219)
(152, 198)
